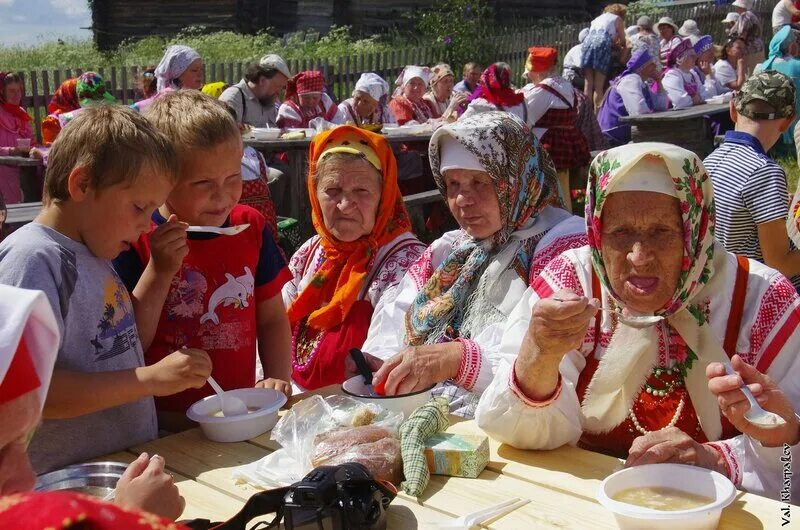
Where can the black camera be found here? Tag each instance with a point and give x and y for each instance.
(343, 497)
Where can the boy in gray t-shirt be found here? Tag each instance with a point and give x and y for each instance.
(99, 194)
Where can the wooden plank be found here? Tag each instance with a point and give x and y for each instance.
(34, 82)
(678, 115)
(124, 79)
(121, 94)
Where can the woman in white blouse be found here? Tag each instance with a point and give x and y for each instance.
(730, 70)
(680, 80)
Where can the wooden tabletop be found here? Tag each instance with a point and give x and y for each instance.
(281, 144)
(19, 161)
(696, 111)
(561, 485)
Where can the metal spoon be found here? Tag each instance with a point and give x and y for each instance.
(634, 321)
(227, 231)
(231, 405)
(756, 415)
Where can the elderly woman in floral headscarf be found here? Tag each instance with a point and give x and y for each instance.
(15, 125)
(361, 251)
(181, 67)
(444, 322)
(407, 102)
(495, 92)
(87, 90)
(571, 374)
(441, 96)
(369, 104)
(306, 100)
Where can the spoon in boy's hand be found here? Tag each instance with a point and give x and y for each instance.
(225, 231)
(231, 405)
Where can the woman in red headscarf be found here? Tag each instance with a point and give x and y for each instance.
(15, 125)
(305, 100)
(64, 100)
(494, 92)
(146, 497)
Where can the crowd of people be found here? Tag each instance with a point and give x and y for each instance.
(113, 315)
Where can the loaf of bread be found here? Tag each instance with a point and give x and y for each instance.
(372, 446)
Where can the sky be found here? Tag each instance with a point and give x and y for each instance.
(34, 21)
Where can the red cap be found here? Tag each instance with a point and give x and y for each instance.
(541, 59)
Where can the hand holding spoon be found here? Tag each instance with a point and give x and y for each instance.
(231, 405)
(756, 415)
(634, 321)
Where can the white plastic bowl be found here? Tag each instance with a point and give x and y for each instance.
(238, 428)
(265, 134)
(691, 479)
(407, 403)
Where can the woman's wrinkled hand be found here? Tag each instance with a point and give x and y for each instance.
(559, 323)
(672, 445)
(416, 368)
(147, 487)
(769, 395)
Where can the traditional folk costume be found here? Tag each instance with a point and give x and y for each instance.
(463, 289)
(621, 382)
(336, 285)
(292, 114)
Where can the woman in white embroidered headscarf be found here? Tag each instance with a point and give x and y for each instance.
(571, 374)
(369, 104)
(181, 67)
(444, 321)
(29, 342)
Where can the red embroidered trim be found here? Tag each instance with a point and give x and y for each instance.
(559, 274)
(780, 296)
(514, 386)
(732, 467)
(470, 366)
(546, 255)
(422, 269)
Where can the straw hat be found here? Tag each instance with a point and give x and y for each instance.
(689, 28)
(668, 21)
(744, 4)
(731, 18)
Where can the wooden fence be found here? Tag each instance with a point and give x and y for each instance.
(343, 72)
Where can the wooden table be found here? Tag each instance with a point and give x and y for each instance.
(28, 171)
(561, 485)
(686, 127)
(297, 152)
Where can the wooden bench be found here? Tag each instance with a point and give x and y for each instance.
(415, 205)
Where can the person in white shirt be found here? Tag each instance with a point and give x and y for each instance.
(569, 374)
(730, 70)
(573, 69)
(680, 81)
(605, 32)
(630, 95)
(704, 69)
(783, 13)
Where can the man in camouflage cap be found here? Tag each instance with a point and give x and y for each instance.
(773, 88)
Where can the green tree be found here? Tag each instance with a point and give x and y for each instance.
(462, 26)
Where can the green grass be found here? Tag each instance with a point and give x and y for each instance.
(217, 47)
(789, 165)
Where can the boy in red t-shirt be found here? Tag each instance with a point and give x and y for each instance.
(218, 293)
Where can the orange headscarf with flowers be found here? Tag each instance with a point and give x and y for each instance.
(328, 297)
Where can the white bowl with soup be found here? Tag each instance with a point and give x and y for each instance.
(405, 403)
(262, 415)
(666, 496)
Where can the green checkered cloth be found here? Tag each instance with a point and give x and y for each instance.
(423, 423)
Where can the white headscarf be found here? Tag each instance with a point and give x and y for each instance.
(410, 72)
(176, 60)
(374, 85)
(27, 314)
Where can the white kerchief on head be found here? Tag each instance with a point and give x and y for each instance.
(456, 156)
(176, 60)
(648, 174)
(412, 71)
(373, 84)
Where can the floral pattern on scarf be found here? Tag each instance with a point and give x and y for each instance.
(524, 180)
(693, 188)
(65, 98)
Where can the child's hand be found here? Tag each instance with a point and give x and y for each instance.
(185, 368)
(168, 246)
(278, 384)
(146, 486)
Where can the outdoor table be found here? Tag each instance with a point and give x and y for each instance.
(561, 484)
(685, 127)
(297, 152)
(27, 173)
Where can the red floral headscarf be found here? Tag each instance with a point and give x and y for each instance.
(65, 99)
(14, 110)
(495, 87)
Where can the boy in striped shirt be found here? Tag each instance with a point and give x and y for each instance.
(750, 190)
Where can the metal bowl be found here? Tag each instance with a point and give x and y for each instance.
(98, 479)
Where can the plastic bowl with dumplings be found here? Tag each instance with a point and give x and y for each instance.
(263, 403)
(690, 479)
